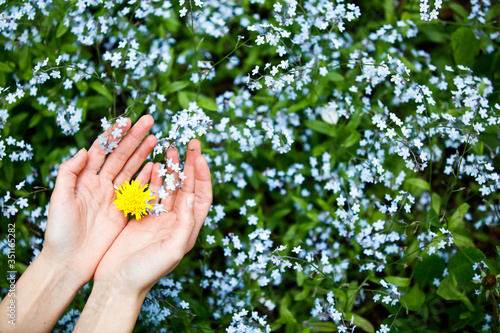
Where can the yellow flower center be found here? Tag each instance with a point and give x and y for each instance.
(133, 199)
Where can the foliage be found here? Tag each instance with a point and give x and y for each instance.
(353, 149)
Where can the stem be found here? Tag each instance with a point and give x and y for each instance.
(495, 308)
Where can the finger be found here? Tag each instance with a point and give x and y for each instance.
(67, 176)
(96, 153)
(145, 175)
(119, 157)
(156, 182)
(135, 161)
(185, 225)
(193, 151)
(203, 193)
(171, 180)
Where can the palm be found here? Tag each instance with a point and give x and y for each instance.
(148, 249)
(88, 225)
(83, 221)
(137, 252)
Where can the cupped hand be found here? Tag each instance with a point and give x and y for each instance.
(83, 222)
(148, 249)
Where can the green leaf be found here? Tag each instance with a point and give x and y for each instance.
(35, 120)
(420, 183)
(435, 203)
(352, 139)
(352, 292)
(301, 277)
(286, 314)
(465, 46)
(398, 281)
(456, 220)
(459, 9)
(204, 102)
(389, 11)
(429, 268)
(321, 127)
(177, 85)
(448, 290)
(493, 265)
(323, 327)
(354, 121)
(6, 67)
(183, 98)
(462, 241)
(61, 29)
(361, 322)
(461, 264)
(101, 89)
(413, 300)
(298, 106)
(335, 77)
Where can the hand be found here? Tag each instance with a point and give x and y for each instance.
(83, 222)
(148, 249)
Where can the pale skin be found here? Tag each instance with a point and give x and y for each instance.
(88, 237)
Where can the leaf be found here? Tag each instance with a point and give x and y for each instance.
(448, 290)
(389, 11)
(204, 102)
(183, 98)
(6, 67)
(456, 220)
(420, 183)
(335, 77)
(465, 46)
(414, 299)
(352, 139)
(323, 327)
(429, 268)
(352, 292)
(321, 127)
(177, 85)
(493, 265)
(461, 264)
(61, 29)
(101, 89)
(286, 314)
(459, 9)
(298, 106)
(361, 322)
(35, 120)
(398, 281)
(462, 241)
(435, 203)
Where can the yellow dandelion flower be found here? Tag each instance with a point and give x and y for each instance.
(133, 199)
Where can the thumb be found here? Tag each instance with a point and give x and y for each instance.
(185, 223)
(68, 174)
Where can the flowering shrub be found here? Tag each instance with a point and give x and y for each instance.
(354, 151)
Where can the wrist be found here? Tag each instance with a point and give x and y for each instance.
(110, 307)
(60, 273)
(41, 295)
(112, 289)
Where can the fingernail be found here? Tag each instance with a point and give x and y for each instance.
(190, 201)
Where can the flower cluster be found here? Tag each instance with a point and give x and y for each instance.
(354, 149)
